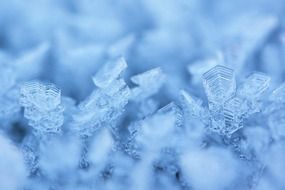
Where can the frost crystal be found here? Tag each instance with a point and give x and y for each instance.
(192, 107)
(105, 104)
(111, 71)
(233, 114)
(254, 86)
(148, 83)
(42, 106)
(219, 84)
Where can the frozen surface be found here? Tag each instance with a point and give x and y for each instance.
(142, 95)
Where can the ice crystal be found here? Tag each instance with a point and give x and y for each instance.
(42, 106)
(254, 86)
(109, 73)
(148, 83)
(219, 83)
(106, 103)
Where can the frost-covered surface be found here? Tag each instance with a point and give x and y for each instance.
(142, 95)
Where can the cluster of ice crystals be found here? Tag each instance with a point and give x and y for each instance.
(228, 104)
(42, 106)
(106, 103)
(149, 94)
(220, 86)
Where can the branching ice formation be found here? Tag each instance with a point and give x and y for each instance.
(106, 103)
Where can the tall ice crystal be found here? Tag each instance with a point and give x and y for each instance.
(219, 84)
(106, 103)
(42, 106)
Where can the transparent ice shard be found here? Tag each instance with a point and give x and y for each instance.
(227, 111)
(148, 83)
(42, 106)
(233, 115)
(102, 108)
(228, 118)
(110, 72)
(219, 84)
(105, 104)
(254, 86)
(192, 106)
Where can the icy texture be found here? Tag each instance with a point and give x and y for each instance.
(220, 87)
(106, 103)
(42, 106)
(148, 83)
(142, 95)
(254, 86)
(219, 84)
(109, 73)
(192, 107)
